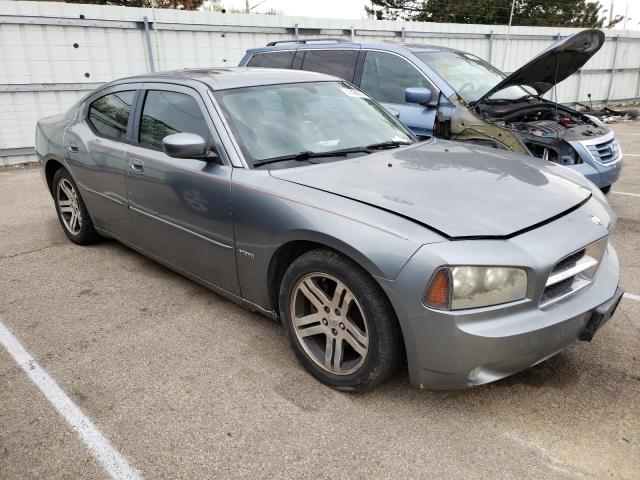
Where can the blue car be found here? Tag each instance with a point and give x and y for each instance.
(447, 93)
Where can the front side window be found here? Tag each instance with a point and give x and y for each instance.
(385, 77)
(165, 113)
(281, 120)
(339, 63)
(272, 60)
(109, 115)
(470, 76)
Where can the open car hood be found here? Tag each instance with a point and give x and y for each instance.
(568, 55)
(457, 189)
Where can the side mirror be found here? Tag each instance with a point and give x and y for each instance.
(421, 96)
(184, 145)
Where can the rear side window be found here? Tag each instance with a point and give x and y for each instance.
(272, 60)
(109, 115)
(165, 113)
(385, 77)
(341, 63)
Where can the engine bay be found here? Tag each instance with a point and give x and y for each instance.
(544, 128)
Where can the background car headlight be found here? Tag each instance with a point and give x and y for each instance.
(459, 287)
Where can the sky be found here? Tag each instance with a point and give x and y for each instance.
(355, 8)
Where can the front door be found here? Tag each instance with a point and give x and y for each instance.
(180, 208)
(385, 76)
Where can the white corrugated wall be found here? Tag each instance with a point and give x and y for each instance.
(53, 53)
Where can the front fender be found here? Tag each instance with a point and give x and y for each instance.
(269, 213)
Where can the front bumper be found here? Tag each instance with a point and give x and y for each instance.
(472, 347)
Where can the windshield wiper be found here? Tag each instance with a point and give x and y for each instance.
(302, 156)
(389, 144)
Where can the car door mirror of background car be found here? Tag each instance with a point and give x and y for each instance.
(186, 145)
(421, 96)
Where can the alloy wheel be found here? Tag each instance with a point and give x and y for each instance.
(69, 206)
(329, 323)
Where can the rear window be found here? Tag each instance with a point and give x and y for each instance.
(271, 60)
(109, 115)
(340, 63)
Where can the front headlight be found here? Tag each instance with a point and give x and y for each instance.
(460, 287)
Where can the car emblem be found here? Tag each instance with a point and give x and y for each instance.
(595, 219)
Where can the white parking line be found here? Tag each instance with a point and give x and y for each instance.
(632, 154)
(625, 133)
(631, 296)
(626, 193)
(111, 460)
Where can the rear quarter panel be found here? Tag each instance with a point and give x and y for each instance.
(49, 144)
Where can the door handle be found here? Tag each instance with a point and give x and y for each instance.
(73, 147)
(137, 165)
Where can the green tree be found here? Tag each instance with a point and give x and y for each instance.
(178, 4)
(541, 13)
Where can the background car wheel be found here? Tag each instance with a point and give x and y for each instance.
(72, 213)
(340, 324)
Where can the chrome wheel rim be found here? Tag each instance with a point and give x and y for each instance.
(69, 206)
(329, 323)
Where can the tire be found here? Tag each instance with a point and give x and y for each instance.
(606, 189)
(72, 212)
(339, 322)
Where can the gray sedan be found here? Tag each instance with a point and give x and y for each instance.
(297, 196)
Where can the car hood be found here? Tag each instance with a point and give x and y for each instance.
(570, 53)
(458, 190)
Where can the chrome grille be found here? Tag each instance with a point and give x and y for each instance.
(605, 152)
(573, 272)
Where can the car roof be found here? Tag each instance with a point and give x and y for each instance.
(319, 44)
(236, 77)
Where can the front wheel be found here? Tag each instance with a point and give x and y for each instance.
(339, 322)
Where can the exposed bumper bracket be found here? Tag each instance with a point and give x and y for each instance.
(601, 315)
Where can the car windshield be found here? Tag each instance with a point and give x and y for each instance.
(307, 120)
(470, 76)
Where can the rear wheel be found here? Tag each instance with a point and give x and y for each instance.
(72, 213)
(339, 322)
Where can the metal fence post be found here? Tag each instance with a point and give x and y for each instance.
(490, 37)
(353, 33)
(613, 67)
(579, 86)
(638, 76)
(296, 31)
(403, 33)
(147, 36)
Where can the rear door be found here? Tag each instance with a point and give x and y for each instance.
(181, 208)
(95, 147)
(385, 76)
